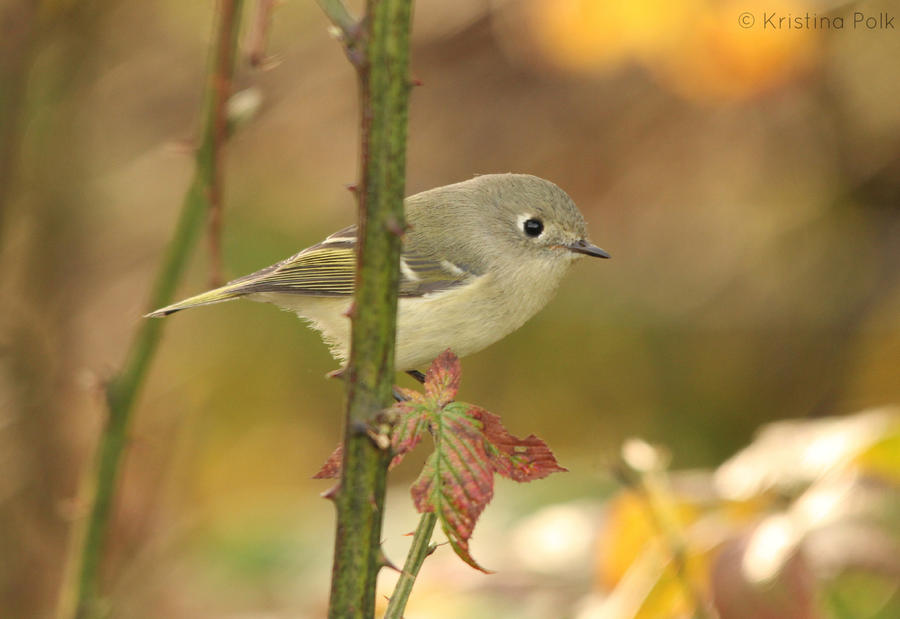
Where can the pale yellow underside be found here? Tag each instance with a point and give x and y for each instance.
(465, 318)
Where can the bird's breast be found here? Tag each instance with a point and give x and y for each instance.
(470, 317)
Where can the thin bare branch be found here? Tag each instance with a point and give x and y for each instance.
(81, 591)
(259, 33)
(222, 78)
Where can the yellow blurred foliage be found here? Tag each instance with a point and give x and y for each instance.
(882, 459)
(629, 533)
(587, 35)
(676, 541)
(720, 60)
(697, 49)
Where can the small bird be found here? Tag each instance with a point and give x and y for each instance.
(479, 259)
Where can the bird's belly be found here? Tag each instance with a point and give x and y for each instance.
(328, 315)
(465, 319)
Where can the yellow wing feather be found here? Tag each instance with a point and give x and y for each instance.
(327, 269)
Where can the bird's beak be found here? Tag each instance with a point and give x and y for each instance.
(583, 247)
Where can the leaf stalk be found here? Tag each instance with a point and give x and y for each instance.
(420, 548)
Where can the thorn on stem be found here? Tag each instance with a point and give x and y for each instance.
(351, 311)
(353, 188)
(416, 82)
(383, 561)
(332, 493)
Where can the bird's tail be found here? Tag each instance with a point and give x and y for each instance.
(225, 293)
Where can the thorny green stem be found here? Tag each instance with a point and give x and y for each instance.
(81, 594)
(378, 47)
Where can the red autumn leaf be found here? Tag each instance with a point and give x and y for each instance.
(411, 417)
(457, 482)
(471, 445)
(409, 428)
(442, 379)
(515, 458)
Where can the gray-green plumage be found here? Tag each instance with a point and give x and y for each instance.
(472, 270)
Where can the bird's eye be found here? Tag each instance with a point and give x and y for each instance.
(533, 227)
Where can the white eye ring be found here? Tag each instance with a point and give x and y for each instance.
(531, 225)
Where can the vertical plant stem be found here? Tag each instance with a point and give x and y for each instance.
(81, 595)
(380, 52)
(16, 52)
(223, 65)
(419, 549)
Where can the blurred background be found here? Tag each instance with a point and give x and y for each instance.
(745, 177)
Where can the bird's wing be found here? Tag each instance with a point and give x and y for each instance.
(328, 269)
